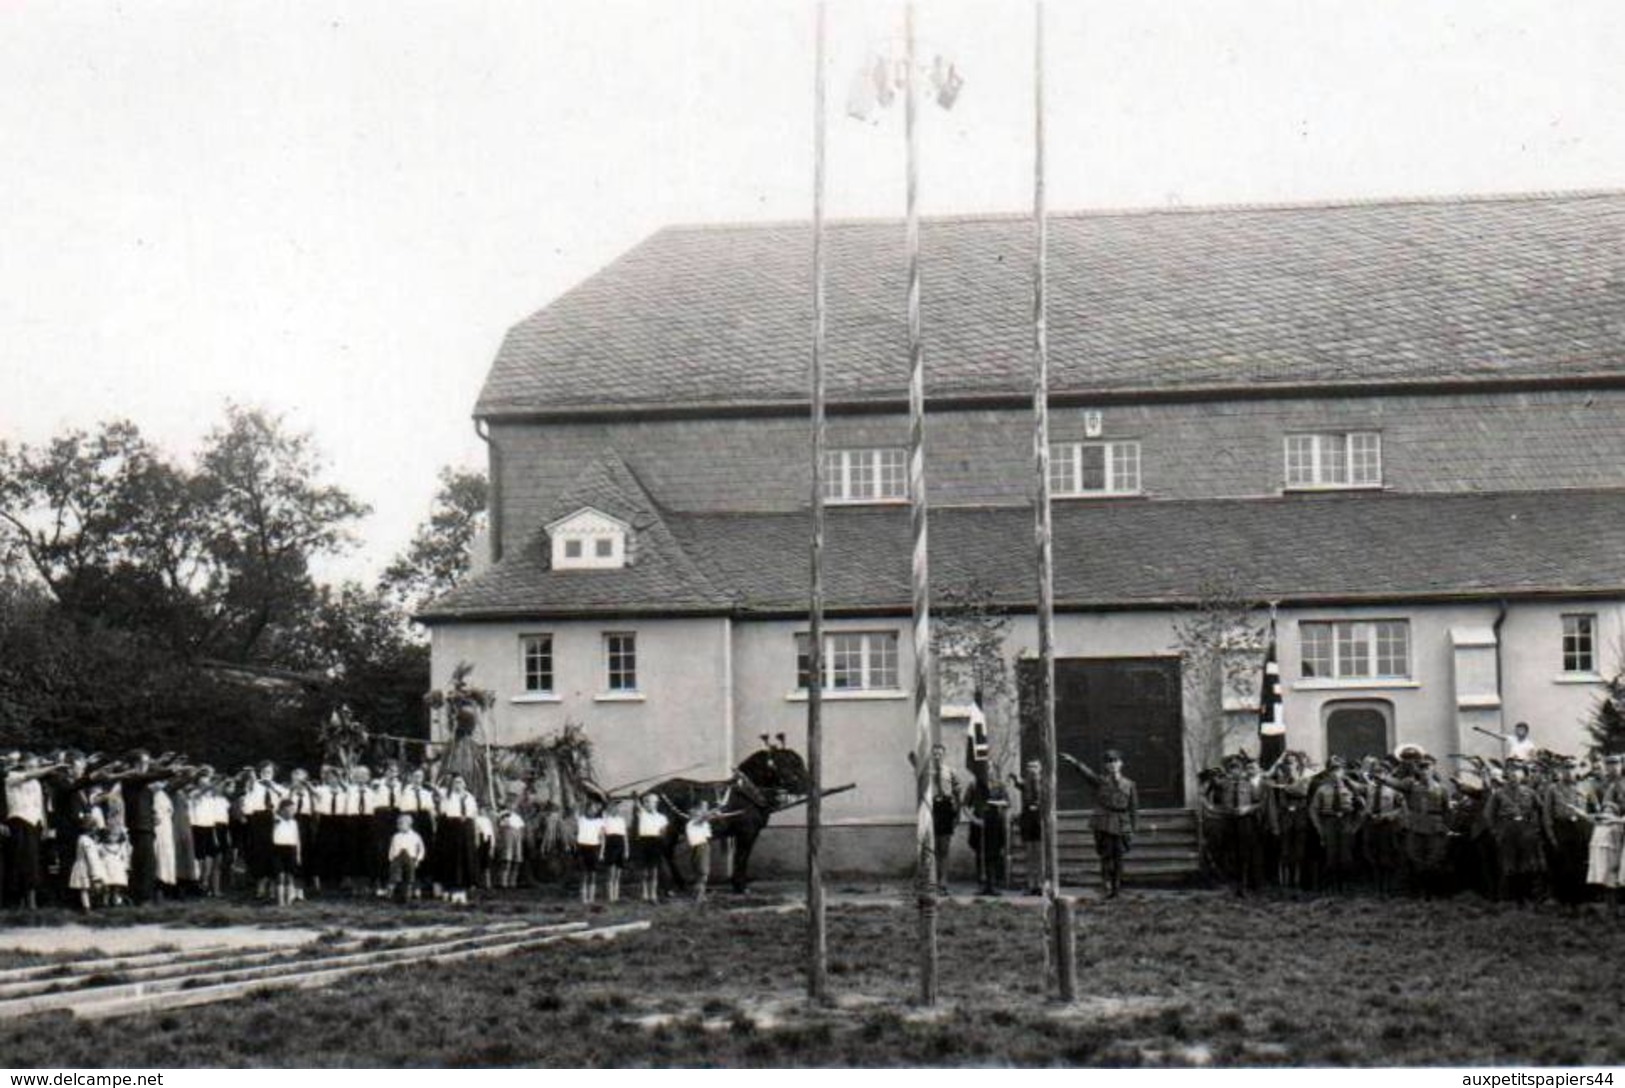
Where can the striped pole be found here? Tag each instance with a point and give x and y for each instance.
(926, 875)
(817, 932)
(1057, 909)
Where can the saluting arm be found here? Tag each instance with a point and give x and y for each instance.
(1081, 767)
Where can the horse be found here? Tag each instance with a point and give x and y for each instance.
(759, 787)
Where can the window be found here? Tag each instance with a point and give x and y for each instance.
(1094, 468)
(866, 475)
(621, 661)
(536, 663)
(589, 540)
(1580, 642)
(853, 661)
(1356, 650)
(1334, 460)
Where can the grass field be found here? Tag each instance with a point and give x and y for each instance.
(1172, 978)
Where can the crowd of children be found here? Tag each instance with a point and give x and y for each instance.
(93, 832)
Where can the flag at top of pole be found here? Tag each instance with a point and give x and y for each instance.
(1271, 714)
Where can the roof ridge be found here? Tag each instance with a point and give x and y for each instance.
(1114, 211)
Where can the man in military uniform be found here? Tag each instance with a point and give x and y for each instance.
(1566, 828)
(1334, 813)
(1384, 837)
(1287, 812)
(1115, 819)
(1514, 815)
(1240, 812)
(1427, 826)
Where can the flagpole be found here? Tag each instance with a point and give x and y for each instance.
(1057, 909)
(925, 842)
(817, 935)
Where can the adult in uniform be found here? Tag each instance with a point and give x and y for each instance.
(1384, 837)
(1565, 825)
(1115, 818)
(1514, 815)
(1240, 811)
(1287, 812)
(1427, 825)
(1333, 810)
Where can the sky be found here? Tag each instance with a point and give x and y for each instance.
(335, 210)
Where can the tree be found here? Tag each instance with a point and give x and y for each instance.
(968, 634)
(110, 527)
(271, 517)
(1607, 724)
(377, 672)
(1221, 642)
(441, 551)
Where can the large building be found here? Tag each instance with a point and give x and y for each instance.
(1402, 422)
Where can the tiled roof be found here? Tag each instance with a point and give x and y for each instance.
(1524, 288)
(660, 569)
(1118, 553)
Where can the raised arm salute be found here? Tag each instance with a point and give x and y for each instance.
(1115, 819)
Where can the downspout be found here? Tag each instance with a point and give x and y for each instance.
(493, 504)
(1500, 618)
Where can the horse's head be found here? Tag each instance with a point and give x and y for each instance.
(777, 770)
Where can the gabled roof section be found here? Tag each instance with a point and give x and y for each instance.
(1247, 299)
(658, 570)
(586, 515)
(1344, 548)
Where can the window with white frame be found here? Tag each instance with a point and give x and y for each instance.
(536, 663)
(1580, 642)
(877, 475)
(620, 661)
(1094, 468)
(1355, 649)
(1351, 459)
(853, 661)
(589, 540)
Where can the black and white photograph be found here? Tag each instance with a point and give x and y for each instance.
(934, 535)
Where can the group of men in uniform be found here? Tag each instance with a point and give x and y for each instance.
(986, 806)
(1515, 829)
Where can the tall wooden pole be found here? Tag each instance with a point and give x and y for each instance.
(1057, 909)
(925, 840)
(817, 935)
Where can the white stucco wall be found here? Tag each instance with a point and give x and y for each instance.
(711, 687)
(680, 719)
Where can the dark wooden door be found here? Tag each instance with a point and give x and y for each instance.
(1355, 732)
(1133, 704)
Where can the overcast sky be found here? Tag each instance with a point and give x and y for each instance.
(335, 210)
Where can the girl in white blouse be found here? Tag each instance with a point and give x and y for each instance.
(590, 848)
(651, 846)
(615, 845)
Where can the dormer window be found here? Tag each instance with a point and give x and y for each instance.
(589, 540)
